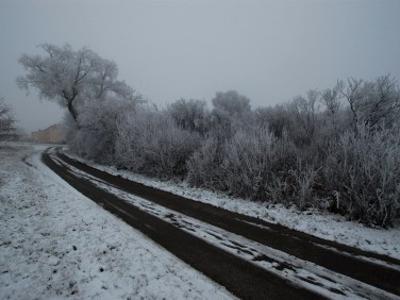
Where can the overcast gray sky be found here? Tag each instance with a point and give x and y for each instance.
(269, 51)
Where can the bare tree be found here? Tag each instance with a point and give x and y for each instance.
(72, 77)
(353, 94)
(231, 110)
(382, 102)
(331, 99)
(305, 110)
(7, 121)
(276, 118)
(150, 142)
(231, 102)
(373, 102)
(97, 134)
(190, 115)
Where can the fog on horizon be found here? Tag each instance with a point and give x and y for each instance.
(269, 51)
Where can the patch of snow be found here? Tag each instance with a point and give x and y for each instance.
(56, 243)
(317, 223)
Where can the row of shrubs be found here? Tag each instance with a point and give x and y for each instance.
(336, 150)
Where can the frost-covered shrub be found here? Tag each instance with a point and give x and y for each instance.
(260, 166)
(94, 136)
(204, 166)
(150, 142)
(362, 175)
(303, 185)
(247, 162)
(277, 119)
(246, 165)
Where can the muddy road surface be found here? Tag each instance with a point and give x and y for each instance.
(252, 258)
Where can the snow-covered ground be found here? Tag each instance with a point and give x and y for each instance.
(56, 243)
(317, 223)
(300, 272)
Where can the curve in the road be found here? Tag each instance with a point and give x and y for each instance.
(240, 277)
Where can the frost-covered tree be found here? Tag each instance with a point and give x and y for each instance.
(7, 121)
(382, 102)
(277, 119)
(72, 77)
(190, 115)
(332, 101)
(305, 112)
(231, 102)
(96, 137)
(231, 110)
(373, 103)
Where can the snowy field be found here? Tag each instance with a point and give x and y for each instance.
(55, 243)
(317, 223)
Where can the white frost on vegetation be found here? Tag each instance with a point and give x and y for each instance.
(317, 223)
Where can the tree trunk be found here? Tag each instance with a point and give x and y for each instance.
(72, 111)
(70, 100)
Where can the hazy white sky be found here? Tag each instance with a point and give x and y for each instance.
(269, 51)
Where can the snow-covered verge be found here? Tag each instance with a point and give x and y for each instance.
(317, 223)
(56, 243)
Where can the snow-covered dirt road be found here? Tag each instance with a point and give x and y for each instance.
(251, 258)
(57, 244)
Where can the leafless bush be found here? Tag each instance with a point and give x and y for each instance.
(247, 162)
(94, 135)
(362, 174)
(150, 142)
(304, 185)
(204, 166)
(246, 165)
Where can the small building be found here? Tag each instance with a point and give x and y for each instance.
(55, 134)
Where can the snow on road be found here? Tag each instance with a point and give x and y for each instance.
(302, 273)
(323, 225)
(55, 243)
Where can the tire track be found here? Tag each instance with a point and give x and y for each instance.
(374, 269)
(239, 276)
